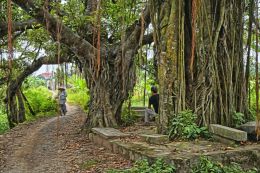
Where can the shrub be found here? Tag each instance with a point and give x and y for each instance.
(3, 123)
(128, 116)
(238, 119)
(79, 93)
(183, 125)
(34, 82)
(143, 166)
(41, 100)
(78, 96)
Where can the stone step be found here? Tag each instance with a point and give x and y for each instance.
(140, 113)
(109, 133)
(180, 153)
(248, 127)
(104, 136)
(155, 138)
(138, 108)
(228, 133)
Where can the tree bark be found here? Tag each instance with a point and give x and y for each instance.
(18, 26)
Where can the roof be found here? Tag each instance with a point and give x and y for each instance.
(46, 75)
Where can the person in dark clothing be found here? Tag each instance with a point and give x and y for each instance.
(153, 101)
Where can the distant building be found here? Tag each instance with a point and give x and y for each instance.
(46, 75)
(49, 79)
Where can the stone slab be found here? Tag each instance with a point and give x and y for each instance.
(248, 127)
(155, 138)
(109, 133)
(227, 132)
(223, 140)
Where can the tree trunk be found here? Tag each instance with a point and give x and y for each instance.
(214, 88)
(28, 104)
(21, 113)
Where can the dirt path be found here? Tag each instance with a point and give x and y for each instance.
(54, 145)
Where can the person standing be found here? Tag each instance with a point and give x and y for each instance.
(62, 100)
(153, 103)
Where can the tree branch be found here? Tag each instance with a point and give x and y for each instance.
(18, 26)
(16, 83)
(134, 37)
(83, 49)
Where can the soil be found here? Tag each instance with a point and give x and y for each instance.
(55, 145)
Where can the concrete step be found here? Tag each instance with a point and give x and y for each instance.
(248, 127)
(155, 138)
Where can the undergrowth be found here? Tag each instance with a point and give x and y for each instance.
(207, 166)
(41, 101)
(182, 125)
(143, 166)
(3, 123)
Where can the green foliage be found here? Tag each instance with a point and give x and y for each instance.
(128, 116)
(143, 166)
(33, 82)
(207, 166)
(138, 94)
(238, 119)
(41, 100)
(3, 122)
(79, 93)
(182, 125)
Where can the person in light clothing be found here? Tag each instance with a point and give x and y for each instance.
(62, 100)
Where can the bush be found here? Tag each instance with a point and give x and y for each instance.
(143, 166)
(41, 100)
(128, 117)
(77, 96)
(183, 125)
(33, 82)
(238, 119)
(207, 166)
(79, 93)
(3, 123)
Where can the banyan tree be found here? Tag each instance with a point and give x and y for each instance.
(106, 56)
(198, 49)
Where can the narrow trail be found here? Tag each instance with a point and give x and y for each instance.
(54, 145)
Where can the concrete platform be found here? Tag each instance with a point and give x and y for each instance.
(182, 154)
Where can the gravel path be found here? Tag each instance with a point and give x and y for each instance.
(54, 145)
